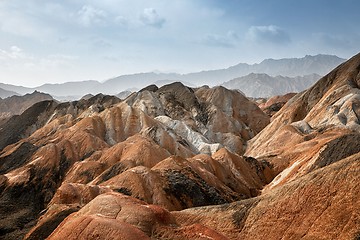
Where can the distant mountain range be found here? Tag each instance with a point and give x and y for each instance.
(5, 93)
(263, 85)
(319, 64)
(61, 91)
(289, 67)
(16, 105)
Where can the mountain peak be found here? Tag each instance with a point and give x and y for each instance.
(319, 64)
(156, 153)
(263, 85)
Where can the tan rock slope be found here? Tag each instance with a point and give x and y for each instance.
(174, 147)
(320, 126)
(274, 104)
(149, 167)
(320, 205)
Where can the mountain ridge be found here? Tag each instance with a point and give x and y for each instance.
(186, 163)
(263, 85)
(291, 67)
(6, 93)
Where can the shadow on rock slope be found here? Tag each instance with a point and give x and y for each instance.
(149, 166)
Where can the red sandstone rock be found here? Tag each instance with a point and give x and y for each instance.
(274, 104)
(113, 215)
(70, 172)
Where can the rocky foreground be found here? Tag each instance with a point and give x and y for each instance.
(182, 163)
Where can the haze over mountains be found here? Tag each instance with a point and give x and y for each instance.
(177, 162)
(5, 93)
(291, 67)
(16, 105)
(195, 120)
(263, 85)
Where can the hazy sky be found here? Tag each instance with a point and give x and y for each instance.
(72, 40)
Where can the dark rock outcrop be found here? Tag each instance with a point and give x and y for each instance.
(16, 105)
(22, 126)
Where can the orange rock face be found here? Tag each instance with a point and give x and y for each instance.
(167, 163)
(311, 128)
(150, 146)
(111, 215)
(274, 104)
(321, 205)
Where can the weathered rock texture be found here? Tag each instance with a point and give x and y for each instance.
(319, 126)
(323, 204)
(167, 163)
(274, 104)
(173, 146)
(16, 105)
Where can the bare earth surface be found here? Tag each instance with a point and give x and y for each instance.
(182, 163)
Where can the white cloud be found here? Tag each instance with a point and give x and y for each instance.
(19, 24)
(227, 41)
(151, 18)
(14, 53)
(88, 16)
(271, 33)
(56, 60)
(16, 58)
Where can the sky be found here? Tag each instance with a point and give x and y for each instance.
(74, 40)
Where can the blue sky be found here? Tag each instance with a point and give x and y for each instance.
(72, 40)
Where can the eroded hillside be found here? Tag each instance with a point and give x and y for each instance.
(174, 147)
(148, 167)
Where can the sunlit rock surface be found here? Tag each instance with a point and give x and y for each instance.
(169, 163)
